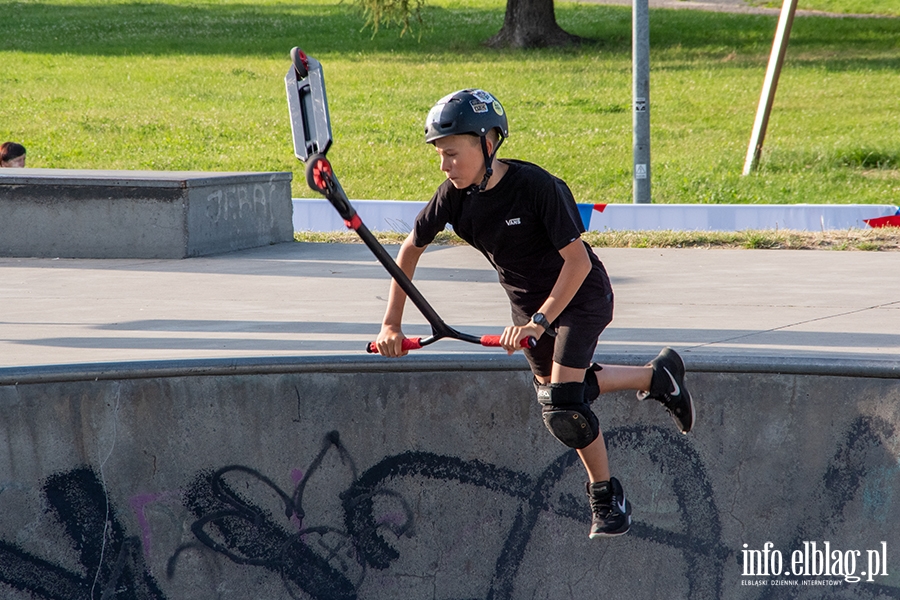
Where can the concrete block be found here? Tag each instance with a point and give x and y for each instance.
(140, 214)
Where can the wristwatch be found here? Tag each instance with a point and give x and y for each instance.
(540, 319)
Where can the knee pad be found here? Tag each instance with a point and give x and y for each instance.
(566, 413)
(591, 385)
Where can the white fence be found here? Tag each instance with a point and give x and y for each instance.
(317, 214)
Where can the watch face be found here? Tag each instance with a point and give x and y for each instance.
(541, 320)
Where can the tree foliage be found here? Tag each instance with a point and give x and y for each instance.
(404, 13)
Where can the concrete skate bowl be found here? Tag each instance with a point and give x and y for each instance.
(433, 477)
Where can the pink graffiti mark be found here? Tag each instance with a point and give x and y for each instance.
(296, 476)
(397, 519)
(138, 503)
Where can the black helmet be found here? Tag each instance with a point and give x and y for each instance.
(465, 111)
(469, 112)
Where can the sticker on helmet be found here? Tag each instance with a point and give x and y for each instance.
(479, 107)
(483, 96)
(497, 108)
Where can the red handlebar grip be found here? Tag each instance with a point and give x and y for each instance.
(406, 344)
(411, 343)
(494, 340)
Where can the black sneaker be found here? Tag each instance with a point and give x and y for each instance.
(611, 512)
(667, 387)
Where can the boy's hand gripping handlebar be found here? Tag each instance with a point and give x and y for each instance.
(417, 342)
(311, 131)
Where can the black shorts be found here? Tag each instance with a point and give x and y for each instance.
(577, 331)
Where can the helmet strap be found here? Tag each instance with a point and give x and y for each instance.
(488, 161)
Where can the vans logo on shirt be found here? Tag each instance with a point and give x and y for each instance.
(516, 221)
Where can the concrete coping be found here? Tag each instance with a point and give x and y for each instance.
(837, 367)
(156, 179)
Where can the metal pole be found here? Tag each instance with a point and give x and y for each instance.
(640, 54)
(767, 97)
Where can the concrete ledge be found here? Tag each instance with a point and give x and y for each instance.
(461, 363)
(140, 214)
(383, 485)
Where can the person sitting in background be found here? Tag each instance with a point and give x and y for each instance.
(12, 155)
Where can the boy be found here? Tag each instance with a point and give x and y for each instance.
(525, 222)
(12, 155)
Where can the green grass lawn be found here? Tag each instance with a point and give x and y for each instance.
(860, 7)
(180, 85)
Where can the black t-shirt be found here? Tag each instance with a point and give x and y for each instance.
(519, 225)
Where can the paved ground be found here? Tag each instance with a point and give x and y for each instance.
(300, 299)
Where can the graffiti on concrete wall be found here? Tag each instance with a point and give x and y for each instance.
(112, 563)
(324, 562)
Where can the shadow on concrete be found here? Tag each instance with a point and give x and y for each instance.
(799, 343)
(343, 261)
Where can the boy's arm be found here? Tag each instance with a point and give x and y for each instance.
(576, 266)
(391, 336)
